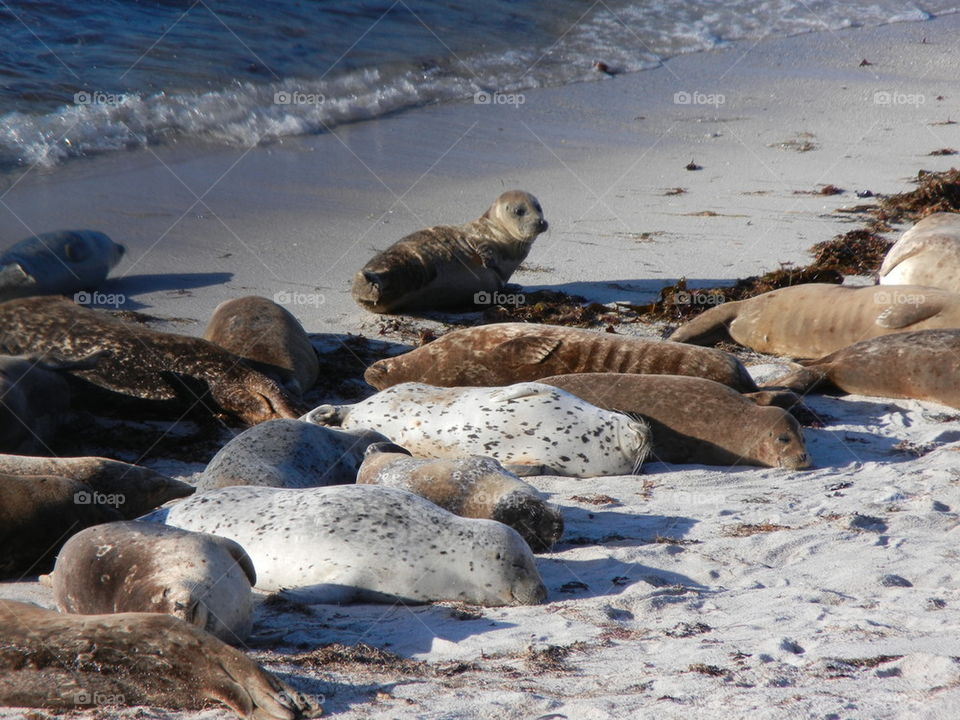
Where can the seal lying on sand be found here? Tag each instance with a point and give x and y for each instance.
(922, 365)
(142, 362)
(474, 487)
(145, 567)
(34, 398)
(269, 337)
(289, 454)
(57, 263)
(693, 420)
(507, 353)
(809, 321)
(365, 543)
(445, 266)
(73, 662)
(926, 254)
(533, 429)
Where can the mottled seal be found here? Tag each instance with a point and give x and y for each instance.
(57, 263)
(73, 662)
(473, 487)
(809, 321)
(508, 353)
(365, 543)
(926, 254)
(142, 489)
(259, 330)
(34, 399)
(922, 365)
(142, 362)
(146, 567)
(289, 454)
(693, 420)
(445, 266)
(533, 429)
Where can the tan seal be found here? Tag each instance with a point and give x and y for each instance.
(145, 567)
(141, 362)
(693, 420)
(84, 662)
(926, 254)
(446, 265)
(261, 331)
(472, 487)
(508, 353)
(809, 321)
(922, 365)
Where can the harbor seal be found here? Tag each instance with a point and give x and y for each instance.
(810, 321)
(265, 334)
(72, 662)
(289, 454)
(57, 263)
(365, 543)
(693, 420)
(508, 353)
(136, 489)
(533, 429)
(142, 362)
(202, 579)
(34, 400)
(446, 266)
(926, 254)
(922, 365)
(473, 487)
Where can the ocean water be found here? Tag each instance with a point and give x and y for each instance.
(81, 78)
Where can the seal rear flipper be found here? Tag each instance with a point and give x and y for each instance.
(709, 328)
(320, 594)
(328, 415)
(803, 380)
(529, 470)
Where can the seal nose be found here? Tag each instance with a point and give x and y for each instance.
(542, 225)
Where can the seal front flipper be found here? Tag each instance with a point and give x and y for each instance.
(528, 350)
(14, 277)
(905, 314)
(329, 415)
(521, 390)
(803, 380)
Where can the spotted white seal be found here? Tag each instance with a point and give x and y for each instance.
(365, 543)
(146, 567)
(926, 254)
(532, 428)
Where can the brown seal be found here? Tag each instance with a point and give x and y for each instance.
(694, 420)
(261, 331)
(508, 353)
(74, 662)
(146, 567)
(922, 365)
(926, 254)
(809, 321)
(447, 265)
(473, 487)
(141, 362)
(142, 488)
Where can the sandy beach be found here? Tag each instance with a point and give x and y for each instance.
(709, 592)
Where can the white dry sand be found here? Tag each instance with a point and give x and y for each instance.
(688, 591)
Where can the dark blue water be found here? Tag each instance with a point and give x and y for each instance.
(79, 78)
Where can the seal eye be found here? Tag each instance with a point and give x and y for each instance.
(520, 211)
(783, 438)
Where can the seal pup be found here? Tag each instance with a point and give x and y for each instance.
(531, 428)
(810, 321)
(34, 398)
(289, 454)
(926, 254)
(473, 487)
(142, 362)
(921, 365)
(57, 263)
(202, 579)
(507, 353)
(262, 332)
(445, 266)
(693, 420)
(72, 662)
(365, 543)
(142, 488)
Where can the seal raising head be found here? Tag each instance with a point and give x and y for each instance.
(447, 265)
